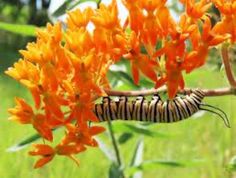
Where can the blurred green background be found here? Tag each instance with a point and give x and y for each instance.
(200, 147)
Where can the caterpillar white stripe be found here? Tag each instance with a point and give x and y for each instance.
(156, 110)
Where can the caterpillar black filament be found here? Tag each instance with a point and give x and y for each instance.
(156, 110)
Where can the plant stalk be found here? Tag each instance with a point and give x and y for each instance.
(115, 146)
(208, 92)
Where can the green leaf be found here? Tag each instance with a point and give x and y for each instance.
(115, 171)
(137, 158)
(138, 152)
(83, 1)
(125, 137)
(155, 164)
(61, 9)
(232, 164)
(158, 44)
(123, 76)
(113, 79)
(125, 127)
(144, 81)
(143, 50)
(70, 4)
(108, 152)
(26, 30)
(24, 143)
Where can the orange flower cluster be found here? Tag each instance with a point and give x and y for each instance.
(65, 70)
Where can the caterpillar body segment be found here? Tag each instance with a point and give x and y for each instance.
(155, 110)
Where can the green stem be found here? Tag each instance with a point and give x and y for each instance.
(115, 145)
(226, 62)
(98, 4)
(208, 92)
(114, 142)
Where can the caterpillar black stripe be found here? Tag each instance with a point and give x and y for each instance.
(156, 110)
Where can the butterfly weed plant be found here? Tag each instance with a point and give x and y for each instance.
(66, 69)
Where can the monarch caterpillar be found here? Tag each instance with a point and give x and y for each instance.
(156, 110)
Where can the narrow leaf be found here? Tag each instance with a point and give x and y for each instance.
(108, 152)
(115, 171)
(125, 137)
(138, 154)
(26, 30)
(24, 143)
(61, 10)
(154, 164)
(125, 127)
(232, 164)
(83, 1)
(123, 76)
(138, 158)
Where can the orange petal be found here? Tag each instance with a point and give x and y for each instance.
(206, 28)
(53, 106)
(96, 130)
(172, 89)
(42, 149)
(217, 40)
(69, 149)
(160, 82)
(90, 115)
(42, 127)
(42, 161)
(149, 72)
(135, 73)
(36, 96)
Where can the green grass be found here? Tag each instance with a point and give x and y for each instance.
(202, 138)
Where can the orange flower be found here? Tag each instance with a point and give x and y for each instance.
(41, 54)
(45, 151)
(196, 9)
(38, 52)
(152, 5)
(66, 70)
(86, 75)
(165, 21)
(227, 25)
(29, 75)
(135, 12)
(226, 7)
(140, 62)
(52, 104)
(81, 109)
(151, 28)
(40, 123)
(108, 35)
(209, 37)
(24, 70)
(52, 34)
(35, 90)
(82, 135)
(187, 28)
(174, 52)
(78, 19)
(174, 79)
(23, 113)
(82, 45)
(69, 150)
(198, 57)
